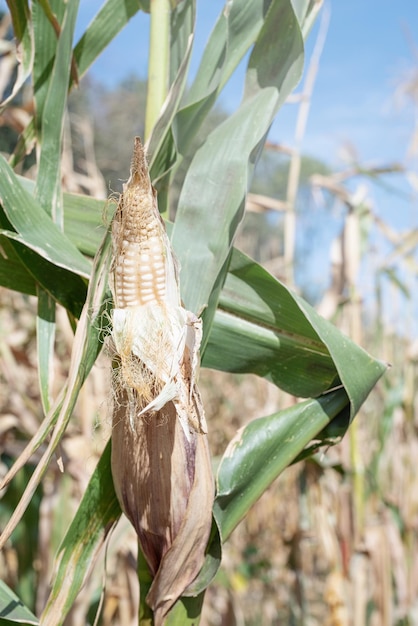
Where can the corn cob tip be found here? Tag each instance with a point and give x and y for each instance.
(139, 166)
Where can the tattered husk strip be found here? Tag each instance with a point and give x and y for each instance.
(160, 456)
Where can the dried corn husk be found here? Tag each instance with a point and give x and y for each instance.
(160, 456)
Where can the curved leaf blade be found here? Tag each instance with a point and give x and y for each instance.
(20, 14)
(293, 363)
(263, 449)
(357, 370)
(108, 22)
(235, 31)
(12, 609)
(277, 57)
(13, 273)
(212, 200)
(65, 287)
(35, 228)
(259, 328)
(182, 24)
(85, 218)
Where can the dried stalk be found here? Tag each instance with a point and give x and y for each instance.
(160, 456)
(295, 162)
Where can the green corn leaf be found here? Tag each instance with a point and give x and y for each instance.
(306, 11)
(13, 273)
(20, 14)
(53, 46)
(277, 57)
(357, 370)
(182, 23)
(85, 218)
(96, 515)
(34, 228)
(44, 18)
(212, 199)
(235, 31)
(63, 286)
(48, 183)
(109, 21)
(160, 148)
(12, 609)
(260, 329)
(304, 351)
(47, 52)
(263, 449)
(186, 612)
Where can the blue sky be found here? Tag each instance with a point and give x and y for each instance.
(366, 54)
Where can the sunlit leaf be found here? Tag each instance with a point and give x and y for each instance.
(263, 449)
(236, 29)
(20, 14)
(45, 336)
(45, 42)
(260, 329)
(48, 182)
(108, 22)
(85, 218)
(34, 228)
(307, 11)
(212, 200)
(357, 370)
(12, 609)
(286, 341)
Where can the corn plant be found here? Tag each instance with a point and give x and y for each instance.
(241, 317)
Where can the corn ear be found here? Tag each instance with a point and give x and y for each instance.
(160, 456)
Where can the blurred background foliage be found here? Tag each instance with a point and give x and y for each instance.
(335, 540)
